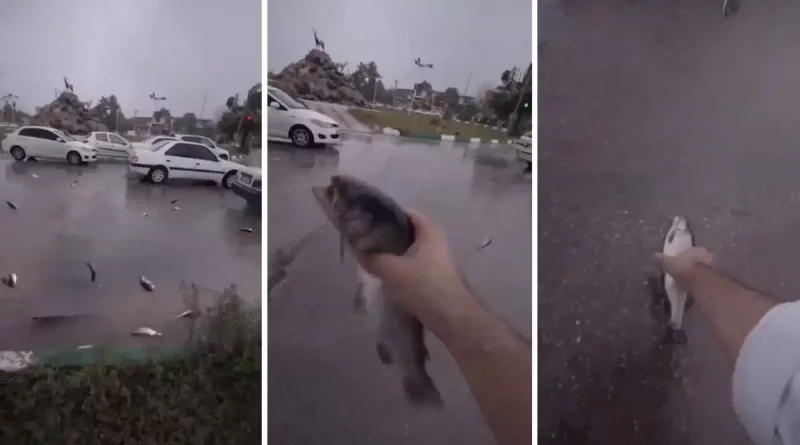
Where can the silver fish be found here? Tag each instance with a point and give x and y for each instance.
(35, 175)
(146, 284)
(11, 280)
(12, 205)
(679, 239)
(188, 314)
(144, 214)
(174, 201)
(85, 347)
(485, 243)
(176, 208)
(246, 229)
(146, 332)
(369, 221)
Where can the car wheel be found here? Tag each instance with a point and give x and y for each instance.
(302, 137)
(157, 175)
(18, 153)
(74, 158)
(227, 180)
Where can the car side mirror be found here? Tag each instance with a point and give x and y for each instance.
(275, 105)
(60, 140)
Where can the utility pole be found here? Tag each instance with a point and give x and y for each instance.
(203, 107)
(156, 100)
(464, 94)
(394, 93)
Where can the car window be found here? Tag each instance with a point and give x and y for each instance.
(116, 139)
(285, 99)
(41, 133)
(179, 150)
(190, 139)
(157, 146)
(156, 140)
(202, 152)
(207, 142)
(62, 135)
(101, 137)
(30, 132)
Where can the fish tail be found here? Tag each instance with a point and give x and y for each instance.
(420, 389)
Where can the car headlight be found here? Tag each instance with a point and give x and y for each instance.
(322, 124)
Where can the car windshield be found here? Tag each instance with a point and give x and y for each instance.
(286, 99)
(64, 136)
(158, 145)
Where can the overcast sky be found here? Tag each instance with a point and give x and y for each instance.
(181, 49)
(456, 36)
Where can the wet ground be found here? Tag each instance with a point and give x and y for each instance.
(647, 110)
(325, 381)
(58, 228)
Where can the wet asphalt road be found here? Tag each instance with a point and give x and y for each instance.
(58, 228)
(647, 110)
(325, 381)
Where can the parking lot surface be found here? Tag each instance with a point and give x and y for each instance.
(648, 110)
(59, 227)
(325, 381)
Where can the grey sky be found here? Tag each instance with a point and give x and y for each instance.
(456, 36)
(180, 49)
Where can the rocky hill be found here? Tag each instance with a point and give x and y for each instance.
(316, 77)
(69, 114)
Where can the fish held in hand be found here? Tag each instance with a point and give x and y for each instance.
(678, 240)
(370, 221)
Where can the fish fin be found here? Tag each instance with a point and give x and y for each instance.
(383, 354)
(359, 301)
(420, 389)
(674, 337)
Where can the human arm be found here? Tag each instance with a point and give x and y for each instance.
(759, 335)
(495, 360)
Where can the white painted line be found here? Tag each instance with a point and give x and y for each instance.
(474, 140)
(495, 141)
(448, 137)
(391, 131)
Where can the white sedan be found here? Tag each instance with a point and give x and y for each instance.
(108, 144)
(171, 159)
(48, 143)
(290, 119)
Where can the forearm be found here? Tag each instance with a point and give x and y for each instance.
(732, 309)
(496, 363)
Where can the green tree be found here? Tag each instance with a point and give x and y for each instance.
(451, 97)
(189, 121)
(8, 112)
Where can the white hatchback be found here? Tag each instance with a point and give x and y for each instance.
(290, 119)
(524, 146)
(48, 143)
(173, 159)
(108, 144)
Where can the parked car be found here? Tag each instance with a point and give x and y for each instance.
(247, 184)
(524, 146)
(48, 143)
(173, 159)
(152, 140)
(221, 152)
(290, 119)
(109, 144)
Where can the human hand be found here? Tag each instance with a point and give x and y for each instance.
(426, 279)
(682, 266)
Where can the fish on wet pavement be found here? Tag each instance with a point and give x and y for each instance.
(10, 280)
(11, 205)
(146, 284)
(679, 239)
(92, 272)
(370, 221)
(146, 332)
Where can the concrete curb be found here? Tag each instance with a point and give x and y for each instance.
(451, 137)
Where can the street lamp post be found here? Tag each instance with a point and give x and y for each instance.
(156, 100)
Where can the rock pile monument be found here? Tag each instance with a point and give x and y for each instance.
(69, 114)
(317, 77)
